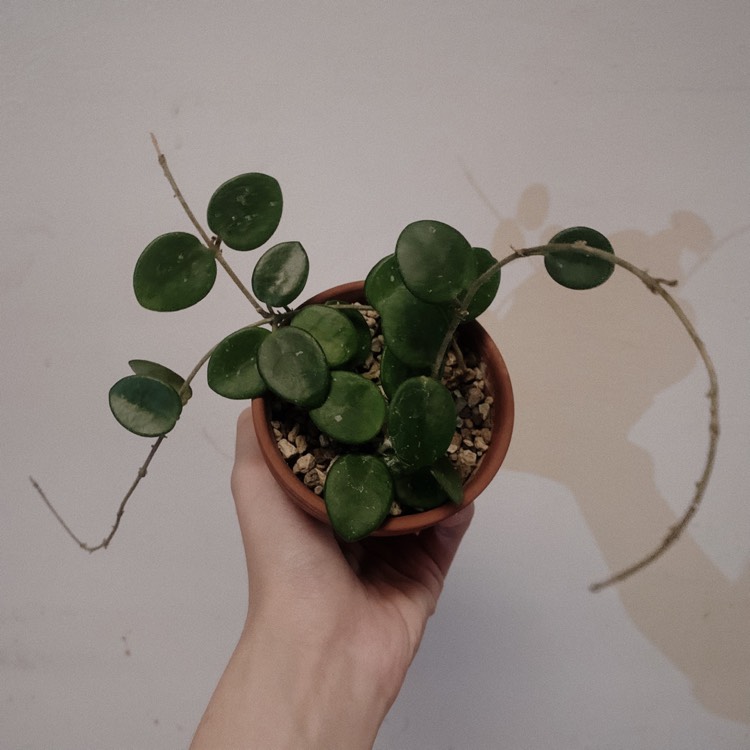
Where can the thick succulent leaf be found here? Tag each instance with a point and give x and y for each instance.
(577, 270)
(354, 411)
(448, 478)
(382, 280)
(393, 371)
(246, 210)
(419, 490)
(364, 335)
(421, 421)
(413, 329)
(435, 261)
(233, 367)
(294, 367)
(394, 464)
(483, 261)
(331, 329)
(358, 495)
(159, 372)
(144, 405)
(280, 274)
(174, 272)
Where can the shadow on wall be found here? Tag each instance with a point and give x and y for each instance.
(563, 347)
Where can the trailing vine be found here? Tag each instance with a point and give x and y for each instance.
(408, 292)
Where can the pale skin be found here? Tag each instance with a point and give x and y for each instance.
(331, 629)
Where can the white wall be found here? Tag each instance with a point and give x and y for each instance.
(631, 117)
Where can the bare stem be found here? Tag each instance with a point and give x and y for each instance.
(213, 245)
(460, 315)
(118, 517)
(657, 286)
(202, 361)
(350, 306)
(437, 365)
(140, 475)
(178, 193)
(222, 261)
(459, 356)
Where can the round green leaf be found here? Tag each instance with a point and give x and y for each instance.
(382, 280)
(159, 372)
(174, 272)
(483, 261)
(281, 274)
(393, 371)
(233, 367)
(421, 421)
(358, 495)
(430, 486)
(354, 411)
(436, 262)
(144, 405)
(294, 367)
(413, 329)
(448, 478)
(364, 334)
(419, 490)
(331, 329)
(246, 210)
(578, 270)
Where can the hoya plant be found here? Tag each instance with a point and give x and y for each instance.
(393, 429)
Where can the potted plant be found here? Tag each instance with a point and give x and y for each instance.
(477, 433)
(381, 406)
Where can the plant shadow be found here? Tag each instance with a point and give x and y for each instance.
(586, 367)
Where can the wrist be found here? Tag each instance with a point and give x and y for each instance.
(285, 693)
(333, 701)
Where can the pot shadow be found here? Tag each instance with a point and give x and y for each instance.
(586, 367)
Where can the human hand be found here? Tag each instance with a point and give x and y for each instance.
(331, 627)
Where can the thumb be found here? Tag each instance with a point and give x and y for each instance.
(273, 528)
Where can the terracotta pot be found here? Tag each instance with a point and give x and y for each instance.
(498, 384)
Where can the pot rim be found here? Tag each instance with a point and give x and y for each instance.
(499, 385)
